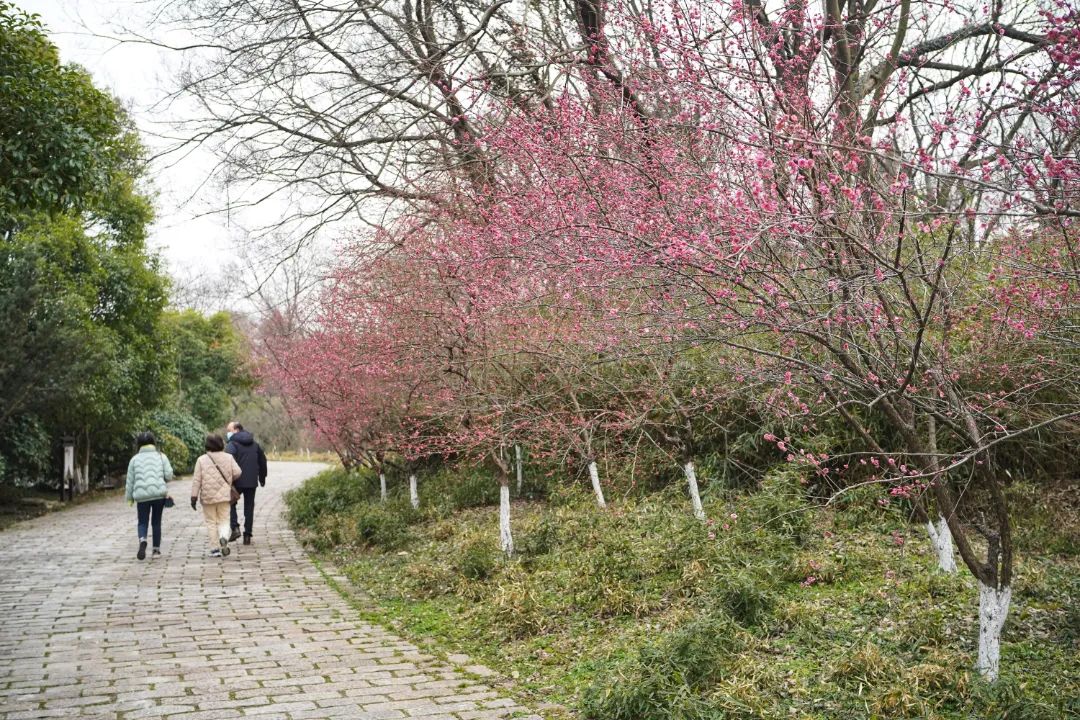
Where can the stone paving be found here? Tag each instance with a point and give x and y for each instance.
(88, 631)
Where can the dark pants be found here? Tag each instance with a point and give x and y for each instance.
(249, 510)
(150, 514)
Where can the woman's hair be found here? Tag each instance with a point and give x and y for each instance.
(145, 438)
(214, 443)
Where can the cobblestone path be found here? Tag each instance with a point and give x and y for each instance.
(88, 631)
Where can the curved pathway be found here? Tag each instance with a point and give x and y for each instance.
(88, 631)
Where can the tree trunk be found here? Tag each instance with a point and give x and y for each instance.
(941, 537)
(382, 486)
(594, 476)
(993, 610)
(517, 459)
(695, 496)
(506, 539)
(84, 483)
(414, 496)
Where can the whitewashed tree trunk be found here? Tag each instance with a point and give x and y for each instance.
(382, 487)
(517, 460)
(993, 610)
(941, 537)
(594, 476)
(414, 496)
(84, 479)
(506, 539)
(695, 496)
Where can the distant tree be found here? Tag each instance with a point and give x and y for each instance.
(209, 357)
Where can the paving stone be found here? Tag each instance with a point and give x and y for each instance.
(89, 632)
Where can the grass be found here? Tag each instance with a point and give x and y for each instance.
(774, 609)
(320, 456)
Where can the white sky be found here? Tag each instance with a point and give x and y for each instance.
(140, 75)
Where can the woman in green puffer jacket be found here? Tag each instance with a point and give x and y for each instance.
(148, 471)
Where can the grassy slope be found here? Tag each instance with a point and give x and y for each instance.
(641, 612)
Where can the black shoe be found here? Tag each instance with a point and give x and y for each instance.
(142, 550)
(155, 554)
(235, 535)
(247, 539)
(224, 547)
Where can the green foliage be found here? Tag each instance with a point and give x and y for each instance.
(669, 679)
(26, 452)
(476, 489)
(182, 428)
(210, 360)
(329, 493)
(746, 599)
(177, 452)
(636, 612)
(478, 558)
(80, 297)
(379, 526)
(865, 506)
(780, 504)
(58, 151)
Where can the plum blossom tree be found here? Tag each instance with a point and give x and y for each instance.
(868, 210)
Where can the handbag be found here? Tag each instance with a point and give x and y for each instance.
(234, 496)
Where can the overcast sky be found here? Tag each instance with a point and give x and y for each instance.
(140, 76)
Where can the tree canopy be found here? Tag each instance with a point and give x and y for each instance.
(81, 297)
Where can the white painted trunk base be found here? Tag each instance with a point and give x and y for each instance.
(517, 459)
(594, 476)
(414, 496)
(695, 496)
(993, 610)
(941, 538)
(382, 487)
(506, 539)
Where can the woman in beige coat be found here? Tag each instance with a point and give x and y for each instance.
(215, 472)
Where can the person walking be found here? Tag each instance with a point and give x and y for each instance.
(252, 461)
(212, 484)
(148, 471)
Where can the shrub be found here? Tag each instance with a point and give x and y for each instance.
(538, 540)
(331, 492)
(780, 506)
(518, 609)
(428, 580)
(669, 679)
(746, 601)
(473, 489)
(26, 453)
(183, 426)
(174, 449)
(861, 507)
(478, 558)
(379, 526)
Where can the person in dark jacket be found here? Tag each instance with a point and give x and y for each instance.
(252, 461)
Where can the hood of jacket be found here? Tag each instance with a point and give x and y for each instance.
(242, 438)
